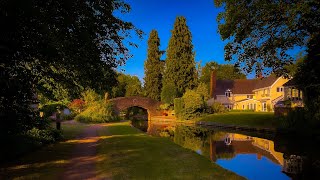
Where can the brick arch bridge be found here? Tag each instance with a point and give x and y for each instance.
(122, 103)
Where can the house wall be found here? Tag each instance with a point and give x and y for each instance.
(247, 105)
(278, 84)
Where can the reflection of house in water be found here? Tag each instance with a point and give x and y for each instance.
(233, 144)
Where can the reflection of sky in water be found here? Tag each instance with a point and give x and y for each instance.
(199, 151)
(249, 166)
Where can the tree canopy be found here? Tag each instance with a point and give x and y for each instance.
(127, 86)
(260, 33)
(46, 45)
(180, 64)
(153, 68)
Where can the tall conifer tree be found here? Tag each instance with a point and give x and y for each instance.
(153, 68)
(180, 67)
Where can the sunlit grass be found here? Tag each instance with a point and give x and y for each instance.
(45, 163)
(127, 153)
(252, 119)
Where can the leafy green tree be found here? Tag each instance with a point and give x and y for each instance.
(260, 33)
(203, 91)
(127, 86)
(194, 104)
(308, 78)
(153, 68)
(180, 64)
(168, 93)
(49, 44)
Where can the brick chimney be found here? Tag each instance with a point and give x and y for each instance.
(213, 83)
(259, 75)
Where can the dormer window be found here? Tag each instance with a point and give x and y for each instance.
(228, 93)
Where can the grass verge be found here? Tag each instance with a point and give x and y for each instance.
(127, 153)
(252, 119)
(45, 163)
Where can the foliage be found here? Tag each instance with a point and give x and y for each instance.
(77, 105)
(190, 137)
(153, 68)
(165, 106)
(44, 136)
(127, 86)
(51, 108)
(57, 45)
(203, 91)
(97, 112)
(168, 93)
(194, 105)
(90, 97)
(180, 65)
(307, 79)
(295, 119)
(260, 33)
(218, 108)
(178, 107)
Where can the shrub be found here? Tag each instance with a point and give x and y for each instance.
(90, 96)
(77, 105)
(218, 108)
(178, 107)
(165, 106)
(194, 105)
(97, 112)
(44, 136)
(203, 91)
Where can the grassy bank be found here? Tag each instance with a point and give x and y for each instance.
(45, 163)
(252, 119)
(127, 153)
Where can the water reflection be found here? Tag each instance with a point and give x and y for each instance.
(249, 155)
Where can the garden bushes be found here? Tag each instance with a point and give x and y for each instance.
(97, 110)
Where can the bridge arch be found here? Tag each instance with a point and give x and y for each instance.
(123, 103)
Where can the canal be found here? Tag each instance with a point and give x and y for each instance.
(252, 155)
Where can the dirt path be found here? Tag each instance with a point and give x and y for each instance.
(83, 162)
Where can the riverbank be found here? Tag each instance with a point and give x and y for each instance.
(127, 153)
(250, 119)
(117, 151)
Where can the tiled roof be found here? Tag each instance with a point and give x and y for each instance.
(243, 86)
(265, 82)
(238, 86)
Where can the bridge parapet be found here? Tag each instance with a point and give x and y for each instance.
(122, 103)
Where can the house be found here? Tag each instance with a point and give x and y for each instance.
(248, 94)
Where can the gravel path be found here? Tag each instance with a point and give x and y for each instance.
(83, 161)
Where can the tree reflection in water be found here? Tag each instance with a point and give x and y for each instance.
(297, 156)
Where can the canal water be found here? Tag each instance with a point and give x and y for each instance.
(250, 154)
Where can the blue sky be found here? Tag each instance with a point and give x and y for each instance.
(160, 15)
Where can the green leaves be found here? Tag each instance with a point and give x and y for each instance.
(261, 33)
(153, 68)
(180, 65)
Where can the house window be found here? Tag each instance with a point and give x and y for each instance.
(228, 93)
(249, 96)
(279, 89)
(242, 106)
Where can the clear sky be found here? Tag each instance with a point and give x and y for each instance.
(160, 15)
